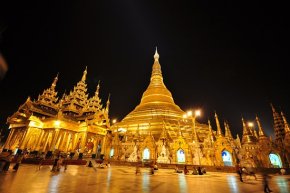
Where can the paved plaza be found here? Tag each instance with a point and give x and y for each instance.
(117, 179)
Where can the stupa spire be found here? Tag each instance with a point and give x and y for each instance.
(54, 82)
(261, 130)
(228, 132)
(84, 75)
(212, 137)
(245, 128)
(157, 100)
(219, 130)
(278, 126)
(156, 55)
(49, 96)
(108, 103)
(287, 129)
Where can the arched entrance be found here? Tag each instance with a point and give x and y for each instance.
(112, 152)
(275, 160)
(180, 156)
(227, 158)
(146, 153)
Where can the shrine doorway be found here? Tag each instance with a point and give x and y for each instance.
(227, 158)
(180, 156)
(146, 154)
(275, 160)
(111, 152)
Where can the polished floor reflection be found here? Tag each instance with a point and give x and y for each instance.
(81, 179)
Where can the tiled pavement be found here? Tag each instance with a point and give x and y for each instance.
(117, 179)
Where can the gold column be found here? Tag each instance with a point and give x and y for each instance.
(25, 138)
(95, 146)
(63, 141)
(54, 140)
(67, 142)
(75, 141)
(84, 139)
(46, 140)
(36, 147)
(43, 141)
(59, 140)
(103, 144)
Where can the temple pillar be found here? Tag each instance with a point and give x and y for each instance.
(23, 142)
(46, 141)
(83, 141)
(75, 141)
(36, 146)
(103, 144)
(95, 146)
(62, 145)
(54, 140)
(59, 140)
(68, 140)
(43, 140)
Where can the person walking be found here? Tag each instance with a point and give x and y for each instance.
(240, 172)
(266, 183)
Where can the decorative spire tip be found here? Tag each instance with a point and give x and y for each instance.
(156, 55)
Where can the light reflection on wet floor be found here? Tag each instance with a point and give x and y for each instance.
(82, 179)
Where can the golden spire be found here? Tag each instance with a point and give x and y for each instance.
(261, 131)
(287, 129)
(54, 82)
(247, 136)
(245, 128)
(279, 126)
(49, 96)
(228, 132)
(212, 137)
(98, 89)
(156, 101)
(84, 75)
(156, 55)
(108, 104)
(219, 130)
(76, 101)
(94, 103)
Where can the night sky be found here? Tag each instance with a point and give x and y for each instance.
(223, 57)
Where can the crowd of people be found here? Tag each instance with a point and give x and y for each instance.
(195, 171)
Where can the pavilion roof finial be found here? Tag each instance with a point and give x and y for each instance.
(156, 55)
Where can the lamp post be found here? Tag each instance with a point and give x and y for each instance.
(193, 116)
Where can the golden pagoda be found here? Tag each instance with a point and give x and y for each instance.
(156, 109)
(73, 124)
(156, 130)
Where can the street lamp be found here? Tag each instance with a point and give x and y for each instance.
(193, 116)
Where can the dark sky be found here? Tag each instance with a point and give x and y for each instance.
(225, 57)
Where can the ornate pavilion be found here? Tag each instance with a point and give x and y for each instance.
(73, 123)
(156, 130)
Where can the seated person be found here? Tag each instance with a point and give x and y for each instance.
(185, 170)
(177, 170)
(203, 170)
(199, 171)
(155, 167)
(194, 171)
(90, 164)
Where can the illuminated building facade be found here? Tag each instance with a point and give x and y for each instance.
(156, 130)
(75, 123)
